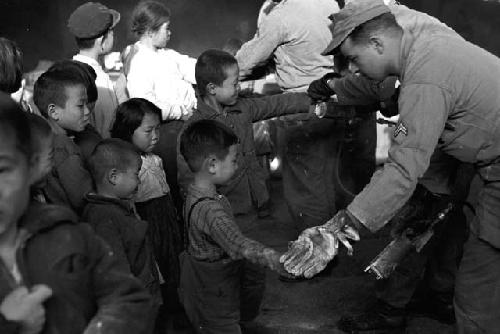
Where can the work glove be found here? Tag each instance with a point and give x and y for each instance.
(316, 246)
(319, 90)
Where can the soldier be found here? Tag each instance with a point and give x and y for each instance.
(445, 101)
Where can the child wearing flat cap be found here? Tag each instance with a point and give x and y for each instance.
(92, 25)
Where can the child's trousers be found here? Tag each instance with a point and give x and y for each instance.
(213, 292)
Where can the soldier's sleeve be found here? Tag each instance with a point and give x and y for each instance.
(357, 90)
(424, 109)
(257, 51)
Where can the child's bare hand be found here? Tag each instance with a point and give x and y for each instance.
(26, 307)
(273, 260)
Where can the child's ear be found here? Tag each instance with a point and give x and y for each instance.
(113, 176)
(53, 112)
(100, 41)
(211, 88)
(212, 164)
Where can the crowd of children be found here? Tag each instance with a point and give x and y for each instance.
(90, 238)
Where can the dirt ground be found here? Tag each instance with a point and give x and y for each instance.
(314, 306)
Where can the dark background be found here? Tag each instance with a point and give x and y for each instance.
(39, 26)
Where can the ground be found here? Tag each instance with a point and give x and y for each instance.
(314, 306)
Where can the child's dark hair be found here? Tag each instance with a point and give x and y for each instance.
(211, 67)
(205, 137)
(149, 16)
(50, 88)
(13, 118)
(112, 153)
(129, 115)
(11, 66)
(81, 70)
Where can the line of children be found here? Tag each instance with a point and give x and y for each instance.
(56, 275)
(213, 265)
(126, 171)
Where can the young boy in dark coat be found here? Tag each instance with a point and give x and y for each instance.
(115, 165)
(56, 274)
(61, 97)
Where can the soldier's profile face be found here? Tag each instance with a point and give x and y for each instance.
(364, 58)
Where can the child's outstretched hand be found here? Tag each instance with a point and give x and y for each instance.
(26, 307)
(273, 259)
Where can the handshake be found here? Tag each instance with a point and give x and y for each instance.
(316, 246)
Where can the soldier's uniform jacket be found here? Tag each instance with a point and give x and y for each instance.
(449, 98)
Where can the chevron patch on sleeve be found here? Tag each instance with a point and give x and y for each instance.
(401, 128)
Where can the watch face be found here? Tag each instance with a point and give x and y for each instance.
(320, 109)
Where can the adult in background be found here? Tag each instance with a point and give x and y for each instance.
(293, 35)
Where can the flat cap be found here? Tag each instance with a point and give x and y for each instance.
(92, 20)
(355, 13)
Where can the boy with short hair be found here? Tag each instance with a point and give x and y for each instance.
(62, 100)
(56, 275)
(218, 87)
(92, 25)
(87, 139)
(212, 266)
(110, 210)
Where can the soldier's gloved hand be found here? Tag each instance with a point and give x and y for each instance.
(344, 226)
(318, 245)
(319, 90)
(310, 253)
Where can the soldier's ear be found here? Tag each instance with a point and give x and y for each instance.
(378, 44)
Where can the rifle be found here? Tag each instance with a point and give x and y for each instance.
(388, 259)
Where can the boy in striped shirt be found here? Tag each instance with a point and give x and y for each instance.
(212, 265)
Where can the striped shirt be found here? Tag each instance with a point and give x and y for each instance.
(212, 232)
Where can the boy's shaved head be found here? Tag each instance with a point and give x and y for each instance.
(211, 67)
(50, 88)
(203, 138)
(112, 154)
